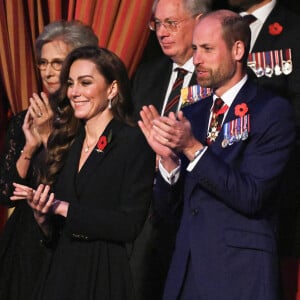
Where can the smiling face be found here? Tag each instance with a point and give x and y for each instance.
(52, 51)
(177, 44)
(88, 90)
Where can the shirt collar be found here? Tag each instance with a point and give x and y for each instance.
(188, 66)
(230, 94)
(263, 12)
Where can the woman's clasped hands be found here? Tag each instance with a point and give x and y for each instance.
(41, 200)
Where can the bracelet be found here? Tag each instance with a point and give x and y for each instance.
(25, 157)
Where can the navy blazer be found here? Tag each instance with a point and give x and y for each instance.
(228, 226)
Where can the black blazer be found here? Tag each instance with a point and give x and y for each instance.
(287, 86)
(109, 199)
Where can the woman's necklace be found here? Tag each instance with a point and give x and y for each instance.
(88, 146)
(86, 149)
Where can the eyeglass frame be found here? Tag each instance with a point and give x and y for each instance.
(167, 23)
(43, 64)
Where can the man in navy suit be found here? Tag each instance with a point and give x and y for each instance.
(173, 23)
(224, 164)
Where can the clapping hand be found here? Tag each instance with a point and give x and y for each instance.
(41, 114)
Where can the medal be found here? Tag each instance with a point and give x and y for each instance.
(226, 132)
(287, 64)
(236, 130)
(270, 64)
(194, 93)
(277, 68)
(251, 62)
(246, 126)
(259, 71)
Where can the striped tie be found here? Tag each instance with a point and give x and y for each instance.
(174, 97)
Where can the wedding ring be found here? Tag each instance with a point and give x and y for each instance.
(39, 115)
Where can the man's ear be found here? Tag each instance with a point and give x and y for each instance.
(238, 50)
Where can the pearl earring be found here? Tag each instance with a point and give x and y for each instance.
(109, 103)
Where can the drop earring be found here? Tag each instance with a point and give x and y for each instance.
(109, 103)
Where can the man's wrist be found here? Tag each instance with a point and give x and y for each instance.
(198, 153)
(193, 152)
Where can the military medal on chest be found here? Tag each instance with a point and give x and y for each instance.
(287, 62)
(216, 122)
(270, 63)
(269, 69)
(194, 93)
(236, 130)
(277, 68)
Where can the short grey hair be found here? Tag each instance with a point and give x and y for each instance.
(193, 7)
(74, 33)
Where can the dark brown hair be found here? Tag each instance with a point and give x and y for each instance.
(65, 125)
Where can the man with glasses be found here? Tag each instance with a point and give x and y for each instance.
(173, 22)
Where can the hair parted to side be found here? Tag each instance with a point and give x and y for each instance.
(65, 126)
(74, 33)
(111, 67)
(193, 7)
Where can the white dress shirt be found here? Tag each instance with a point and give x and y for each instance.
(188, 66)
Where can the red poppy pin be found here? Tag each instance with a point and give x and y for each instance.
(241, 109)
(103, 141)
(275, 28)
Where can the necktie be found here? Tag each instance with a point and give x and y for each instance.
(249, 19)
(218, 110)
(174, 96)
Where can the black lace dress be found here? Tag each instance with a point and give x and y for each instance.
(21, 254)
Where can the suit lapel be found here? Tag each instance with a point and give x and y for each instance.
(265, 38)
(198, 114)
(162, 83)
(96, 157)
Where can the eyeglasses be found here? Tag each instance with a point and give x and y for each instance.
(170, 25)
(56, 64)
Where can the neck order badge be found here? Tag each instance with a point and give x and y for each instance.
(218, 110)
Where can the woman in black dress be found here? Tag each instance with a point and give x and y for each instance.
(102, 193)
(21, 254)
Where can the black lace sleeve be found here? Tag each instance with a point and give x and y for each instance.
(14, 143)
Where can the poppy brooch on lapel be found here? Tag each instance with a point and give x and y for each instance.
(240, 109)
(237, 129)
(275, 28)
(103, 142)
